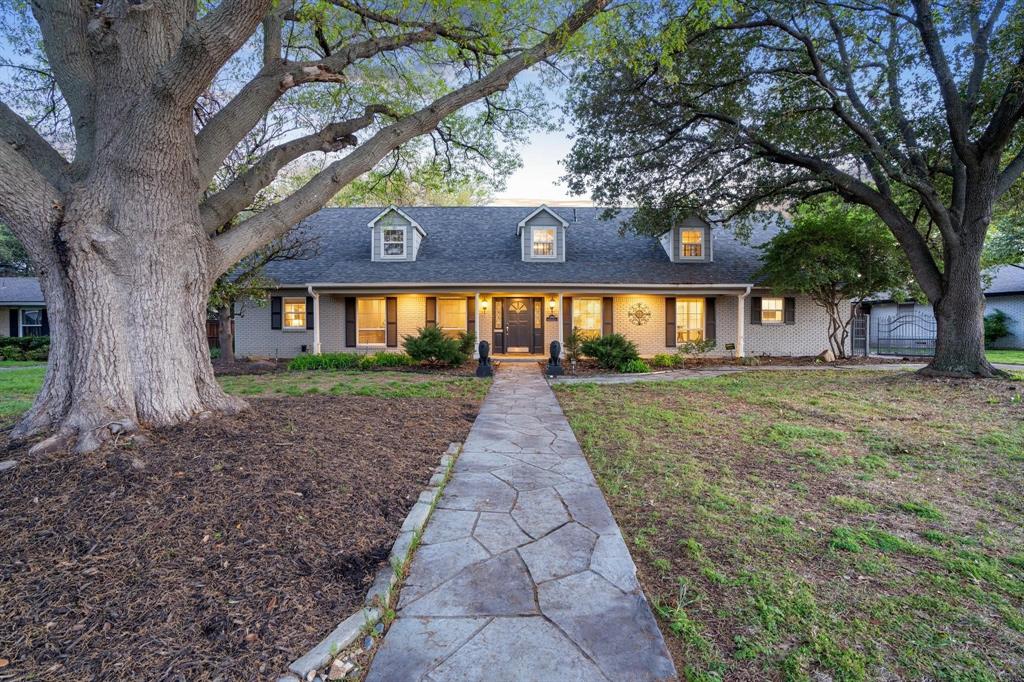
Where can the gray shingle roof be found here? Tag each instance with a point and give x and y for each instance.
(1007, 279)
(23, 290)
(479, 245)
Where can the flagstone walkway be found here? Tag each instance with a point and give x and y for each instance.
(522, 573)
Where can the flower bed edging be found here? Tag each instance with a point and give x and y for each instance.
(382, 591)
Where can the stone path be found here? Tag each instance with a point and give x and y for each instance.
(522, 573)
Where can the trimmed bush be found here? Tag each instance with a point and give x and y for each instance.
(433, 347)
(664, 360)
(36, 348)
(326, 361)
(383, 359)
(694, 348)
(634, 367)
(997, 325)
(611, 351)
(467, 341)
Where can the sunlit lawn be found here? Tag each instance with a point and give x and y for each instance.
(18, 386)
(1011, 357)
(832, 525)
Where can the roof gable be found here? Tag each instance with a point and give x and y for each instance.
(542, 209)
(394, 209)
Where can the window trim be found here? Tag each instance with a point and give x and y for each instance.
(21, 321)
(703, 318)
(465, 312)
(782, 310)
(702, 244)
(285, 300)
(360, 328)
(383, 242)
(554, 241)
(600, 313)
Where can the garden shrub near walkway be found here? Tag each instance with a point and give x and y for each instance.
(220, 549)
(859, 524)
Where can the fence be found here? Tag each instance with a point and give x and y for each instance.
(910, 334)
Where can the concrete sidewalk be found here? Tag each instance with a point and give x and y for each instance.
(522, 573)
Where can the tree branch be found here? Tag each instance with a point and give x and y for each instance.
(1010, 174)
(24, 139)
(276, 220)
(29, 204)
(218, 210)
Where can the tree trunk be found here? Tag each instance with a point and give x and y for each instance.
(226, 333)
(959, 317)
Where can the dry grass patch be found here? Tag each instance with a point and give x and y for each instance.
(859, 524)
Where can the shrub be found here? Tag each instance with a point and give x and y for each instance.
(467, 341)
(38, 354)
(691, 349)
(665, 360)
(383, 359)
(611, 351)
(572, 343)
(997, 325)
(25, 348)
(636, 366)
(214, 353)
(11, 353)
(326, 361)
(432, 346)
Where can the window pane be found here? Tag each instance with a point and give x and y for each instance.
(543, 241)
(32, 317)
(371, 314)
(394, 242)
(691, 243)
(586, 315)
(499, 310)
(451, 315)
(295, 313)
(771, 311)
(689, 319)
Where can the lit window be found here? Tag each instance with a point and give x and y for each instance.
(543, 240)
(586, 316)
(371, 315)
(294, 313)
(689, 319)
(394, 242)
(451, 315)
(771, 310)
(32, 322)
(691, 243)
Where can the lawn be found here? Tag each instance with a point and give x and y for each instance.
(1010, 357)
(18, 387)
(827, 525)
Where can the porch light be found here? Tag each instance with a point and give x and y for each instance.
(551, 306)
(483, 305)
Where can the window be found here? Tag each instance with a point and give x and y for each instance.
(771, 310)
(294, 313)
(371, 315)
(586, 316)
(543, 242)
(394, 242)
(689, 319)
(905, 308)
(451, 315)
(691, 243)
(32, 322)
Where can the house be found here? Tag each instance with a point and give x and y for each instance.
(900, 328)
(22, 308)
(519, 279)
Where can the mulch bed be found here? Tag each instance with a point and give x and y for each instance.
(218, 549)
(247, 367)
(586, 367)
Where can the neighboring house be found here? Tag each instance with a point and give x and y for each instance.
(22, 308)
(889, 321)
(520, 279)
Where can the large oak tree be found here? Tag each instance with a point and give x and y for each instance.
(911, 109)
(124, 230)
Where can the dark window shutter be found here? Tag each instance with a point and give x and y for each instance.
(309, 312)
(607, 316)
(14, 318)
(755, 310)
(789, 310)
(670, 321)
(566, 317)
(350, 322)
(392, 327)
(46, 323)
(275, 312)
(710, 323)
(471, 315)
(431, 311)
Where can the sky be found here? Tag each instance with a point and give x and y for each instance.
(537, 179)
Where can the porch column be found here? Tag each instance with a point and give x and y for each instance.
(316, 321)
(561, 324)
(476, 325)
(741, 300)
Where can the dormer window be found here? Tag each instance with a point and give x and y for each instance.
(543, 242)
(394, 242)
(691, 243)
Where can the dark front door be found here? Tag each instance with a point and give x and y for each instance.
(518, 325)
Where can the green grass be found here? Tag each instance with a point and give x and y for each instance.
(19, 386)
(21, 363)
(856, 524)
(1009, 357)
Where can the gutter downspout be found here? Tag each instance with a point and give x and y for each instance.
(316, 319)
(740, 329)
